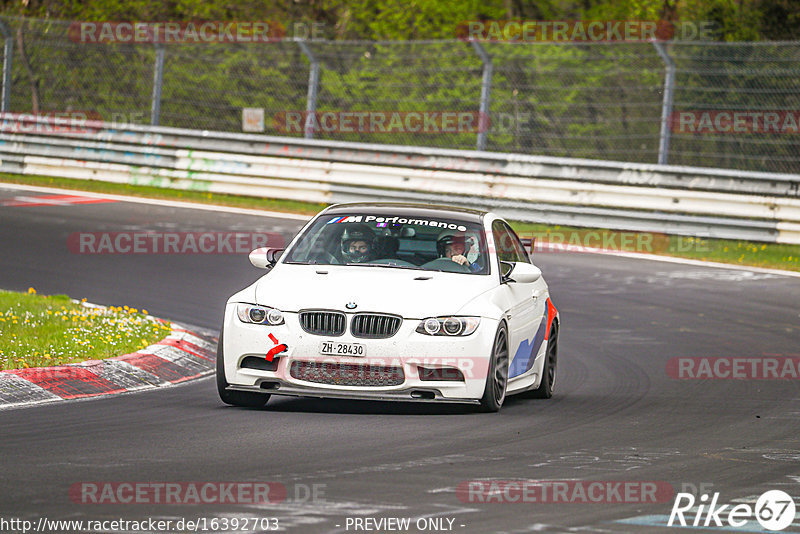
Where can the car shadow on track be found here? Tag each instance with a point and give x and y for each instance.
(365, 407)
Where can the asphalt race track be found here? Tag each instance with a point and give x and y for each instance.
(616, 416)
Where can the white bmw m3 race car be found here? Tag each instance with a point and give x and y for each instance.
(392, 301)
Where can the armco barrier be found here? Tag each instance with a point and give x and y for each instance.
(680, 200)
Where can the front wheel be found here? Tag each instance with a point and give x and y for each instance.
(497, 378)
(235, 398)
(548, 382)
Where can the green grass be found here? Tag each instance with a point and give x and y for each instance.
(748, 253)
(41, 331)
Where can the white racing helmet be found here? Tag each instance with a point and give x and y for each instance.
(467, 240)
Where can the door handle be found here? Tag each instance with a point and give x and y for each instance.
(537, 293)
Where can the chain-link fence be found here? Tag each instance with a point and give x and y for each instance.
(730, 105)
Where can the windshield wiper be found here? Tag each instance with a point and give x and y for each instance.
(393, 266)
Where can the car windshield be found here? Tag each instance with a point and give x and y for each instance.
(425, 243)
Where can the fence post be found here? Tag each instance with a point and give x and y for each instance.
(666, 107)
(8, 54)
(158, 80)
(486, 88)
(313, 87)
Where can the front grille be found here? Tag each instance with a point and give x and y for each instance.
(375, 326)
(323, 323)
(348, 374)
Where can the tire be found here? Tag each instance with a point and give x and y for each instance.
(497, 378)
(235, 398)
(548, 382)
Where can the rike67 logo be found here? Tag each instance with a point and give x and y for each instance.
(774, 510)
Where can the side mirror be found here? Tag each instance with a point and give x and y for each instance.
(265, 258)
(524, 273)
(506, 267)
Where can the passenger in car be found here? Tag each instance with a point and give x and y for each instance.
(456, 246)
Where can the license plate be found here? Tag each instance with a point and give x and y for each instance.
(338, 348)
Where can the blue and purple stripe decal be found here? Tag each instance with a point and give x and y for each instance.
(528, 349)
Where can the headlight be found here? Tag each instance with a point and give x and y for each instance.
(249, 313)
(432, 326)
(448, 326)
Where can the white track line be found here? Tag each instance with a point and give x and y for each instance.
(158, 202)
(296, 217)
(666, 259)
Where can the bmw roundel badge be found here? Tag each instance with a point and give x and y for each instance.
(351, 305)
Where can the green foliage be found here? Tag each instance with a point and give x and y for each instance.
(415, 19)
(734, 20)
(560, 99)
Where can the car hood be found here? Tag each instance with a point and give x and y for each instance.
(413, 294)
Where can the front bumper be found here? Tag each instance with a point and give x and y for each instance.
(426, 394)
(407, 350)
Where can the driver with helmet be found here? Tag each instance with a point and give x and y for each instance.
(455, 246)
(358, 244)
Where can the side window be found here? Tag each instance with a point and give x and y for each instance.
(508, 246)
(518, 247)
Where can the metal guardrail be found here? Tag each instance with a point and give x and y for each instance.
(639, 101)
(680, 200)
